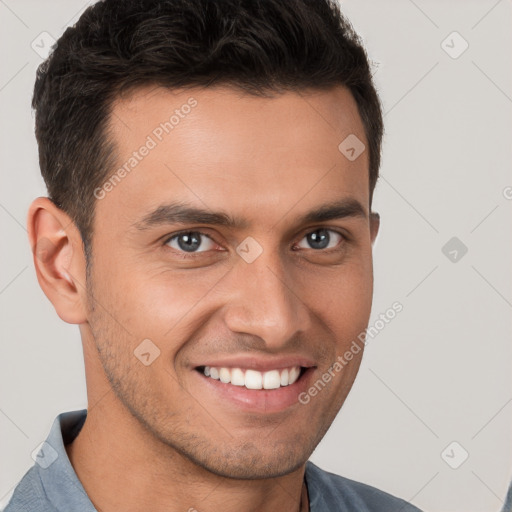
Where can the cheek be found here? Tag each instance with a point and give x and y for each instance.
(154, 303)
(343, 298)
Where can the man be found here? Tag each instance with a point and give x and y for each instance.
(210, 168)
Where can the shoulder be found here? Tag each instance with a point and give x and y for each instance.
(29, 495)
(44, 486)
(331, 492)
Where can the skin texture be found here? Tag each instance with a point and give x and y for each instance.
(154, 437)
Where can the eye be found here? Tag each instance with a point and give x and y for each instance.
(191, 241)
(322, 239)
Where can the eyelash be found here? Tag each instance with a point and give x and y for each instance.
(191, 255)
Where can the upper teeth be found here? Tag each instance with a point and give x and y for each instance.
(253, 379)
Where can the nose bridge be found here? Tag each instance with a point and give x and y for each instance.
(263, 303)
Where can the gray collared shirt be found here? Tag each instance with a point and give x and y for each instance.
(51, 484)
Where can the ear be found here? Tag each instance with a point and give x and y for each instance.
(374, 225)
(59, 259)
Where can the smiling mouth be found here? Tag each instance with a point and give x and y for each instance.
(254, 379)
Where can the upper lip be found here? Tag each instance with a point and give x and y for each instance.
(258, 363)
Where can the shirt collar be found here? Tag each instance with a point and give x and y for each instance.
(59, 480)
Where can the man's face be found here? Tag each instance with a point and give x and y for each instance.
(267, 291)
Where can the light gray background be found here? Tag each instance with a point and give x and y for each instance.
(440, 371)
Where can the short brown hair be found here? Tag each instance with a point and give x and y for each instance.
(258, 46)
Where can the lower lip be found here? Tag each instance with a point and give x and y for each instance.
(258, 400)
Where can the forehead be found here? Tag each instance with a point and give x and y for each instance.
(223, 149)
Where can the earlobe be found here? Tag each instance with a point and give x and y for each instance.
(374, 225)
(58, 259)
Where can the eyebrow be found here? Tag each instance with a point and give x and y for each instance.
(182, 213)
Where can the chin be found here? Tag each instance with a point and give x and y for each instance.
(248, 461)
(250, 469)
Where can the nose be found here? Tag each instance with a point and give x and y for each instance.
(263, 302)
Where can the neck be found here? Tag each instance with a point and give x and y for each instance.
(123, 466)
